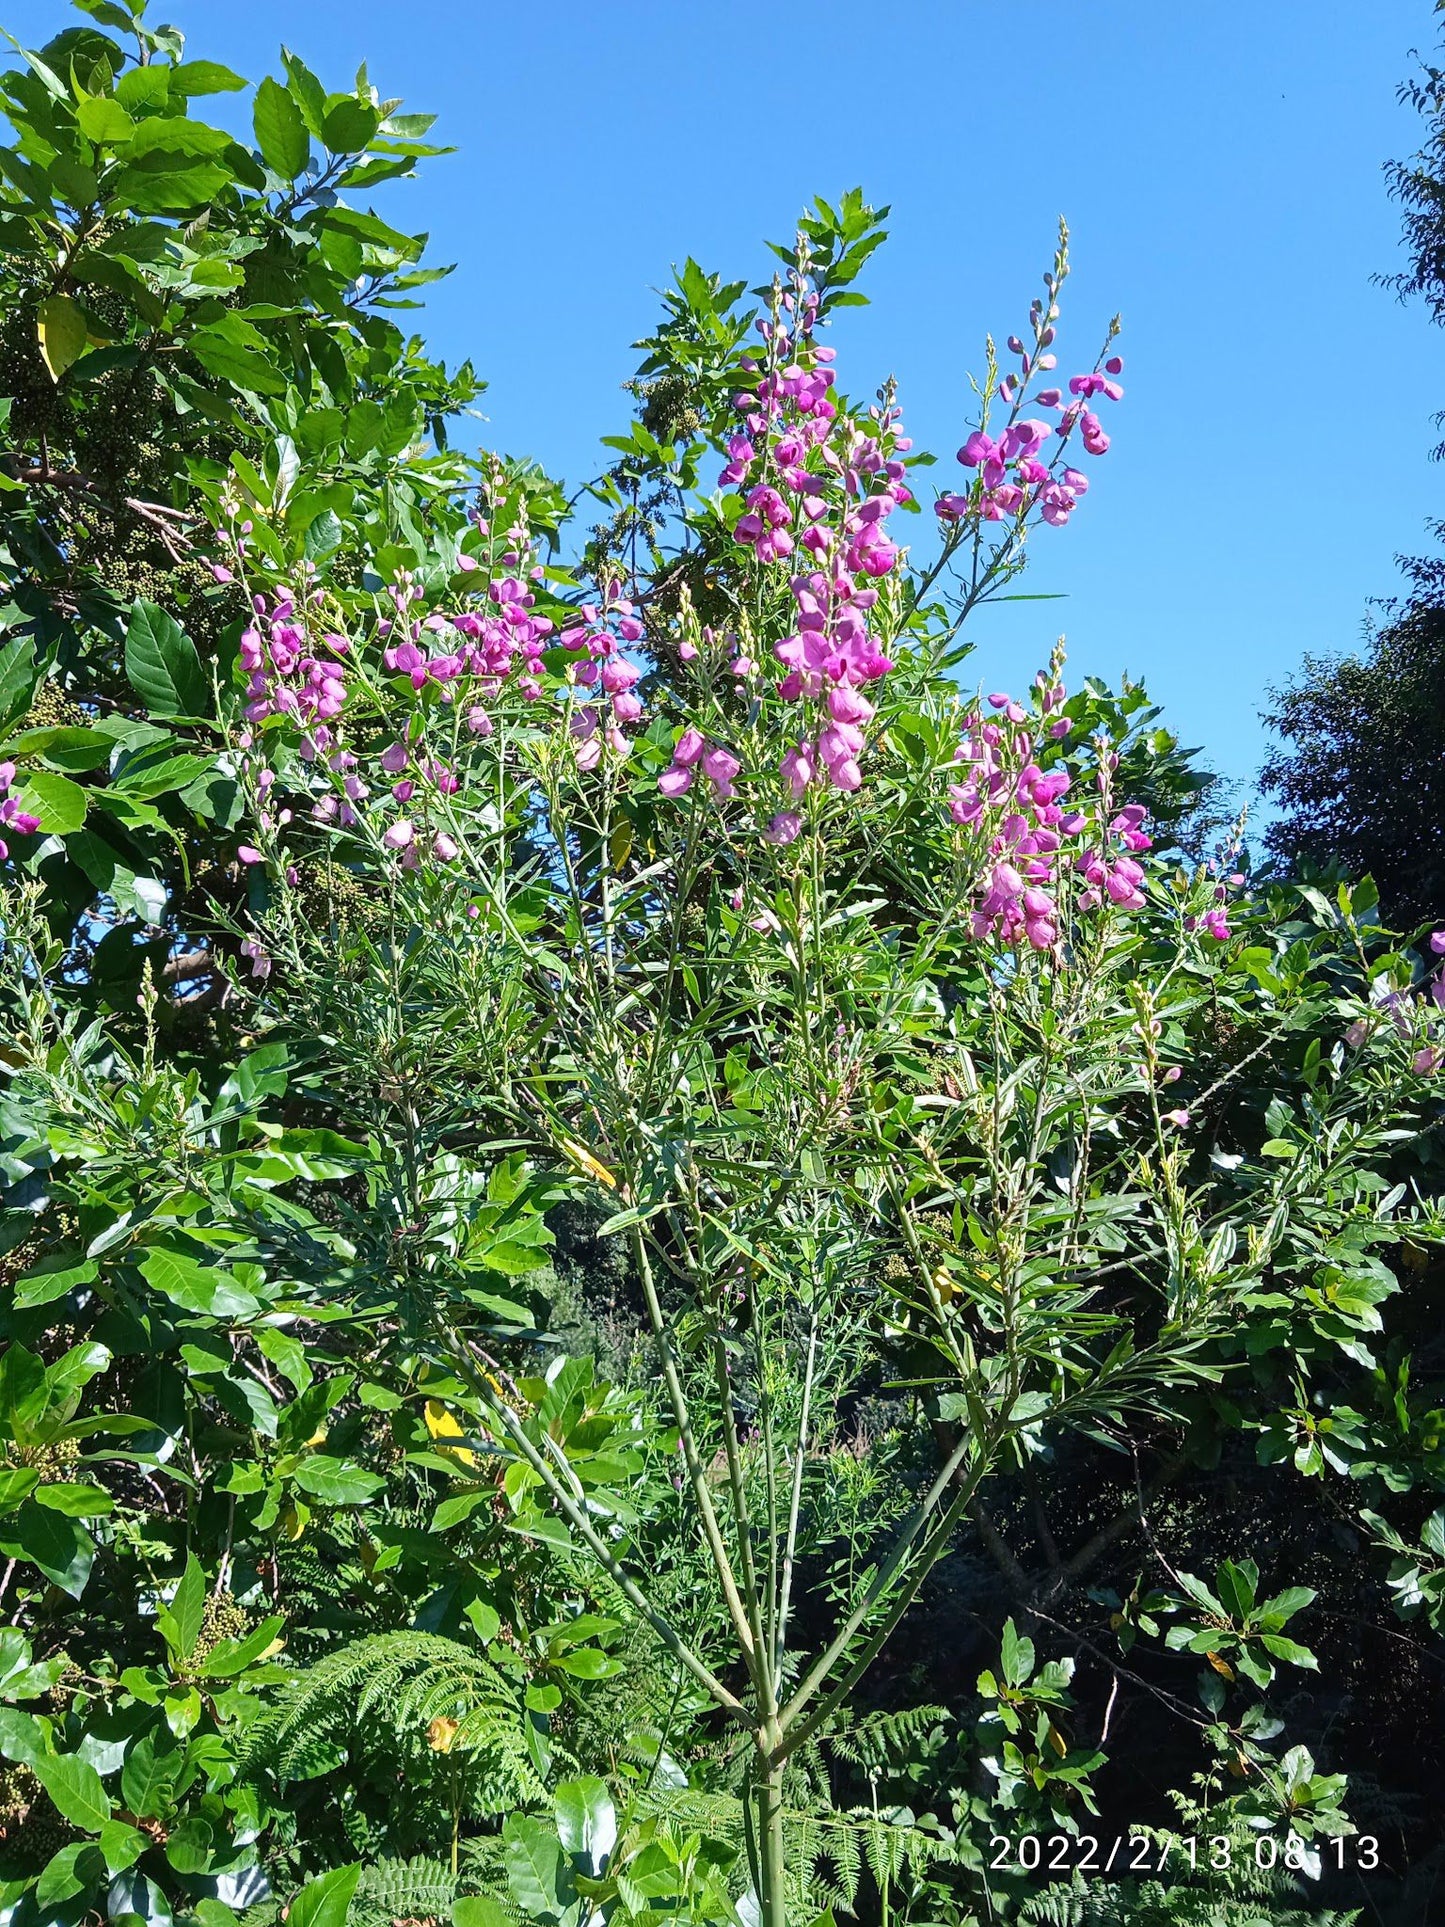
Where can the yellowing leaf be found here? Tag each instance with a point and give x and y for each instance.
(585, 1161)
(62, 332)
(293, 1520)
(945, 1287)
(1057, 1741)
(440, 1734)
(443, 1425)
(1221, 1666)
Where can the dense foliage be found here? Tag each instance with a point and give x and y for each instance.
(654, 1265)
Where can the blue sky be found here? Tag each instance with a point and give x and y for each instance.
(1220, 168)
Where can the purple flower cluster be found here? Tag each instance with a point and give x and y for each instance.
(1029, 833)
(823, 488)
(1025, 466)
(12, 818)
(285, 677)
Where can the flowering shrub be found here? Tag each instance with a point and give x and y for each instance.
(957, 1159)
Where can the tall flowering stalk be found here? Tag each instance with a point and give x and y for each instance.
(846, 997)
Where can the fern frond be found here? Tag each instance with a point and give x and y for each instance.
(402, 1682)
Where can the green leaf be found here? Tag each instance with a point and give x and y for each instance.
(350, 126)
(22, 1736)
(19, 674)
(197, 1288)
(59, 803)
(104, 121)
(53, 1278)
(336, 1481)
(68, 1872)
(532, 1855)
(171, 166)
(180, 1621)
(480, 1910)
(231, 1656)
(63, 331)
(161, 663)
(76, 1501)
(74, 749)
(17, 1482)
(280, 130)
(74, 1785)
(325, 1901)
(122, 1845)
(150, 1772)
(589, 1662)
(63, 1550)
(586, 1821)
(191, 77)
(222, 355)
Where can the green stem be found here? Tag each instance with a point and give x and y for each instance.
(697, 1472)
(577, 1518)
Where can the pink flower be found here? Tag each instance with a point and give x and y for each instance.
(1425, 1061)
(1437, 942)
(1180, 1119)
(798, 769)
(675, 780)
(248, 855)
(690, 745)
(720, 767)
(398, 836)
(1357, 1033)
(394, 759)
(444, 847)
(784, 827)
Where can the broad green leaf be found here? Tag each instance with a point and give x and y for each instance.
(62, 330)
(59, 803)
(336, 1481)
(19, 674)
(197, 1288)
(53, 1278)
(17, 1482)
(325, 1901)
(479, 1910)
(122, 1845)
(69, 1871)
(104, 121)
(532, 1855)
(148, 1778)
(74, 1785)
(76, 1501)
(63, 1550)
(180, 1621)
(280, 130)
(161, 664)
(191, 77)
(586, 1821)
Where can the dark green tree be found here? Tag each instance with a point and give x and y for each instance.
(1359, 772)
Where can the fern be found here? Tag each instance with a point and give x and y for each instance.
(403, 1682)
(392, 1890)
(828, 1847)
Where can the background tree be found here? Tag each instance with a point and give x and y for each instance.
(1359, 776)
